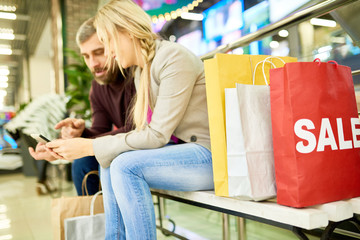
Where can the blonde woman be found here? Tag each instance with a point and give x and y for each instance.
(170, 147)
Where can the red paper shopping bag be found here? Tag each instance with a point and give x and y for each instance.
(316, 133)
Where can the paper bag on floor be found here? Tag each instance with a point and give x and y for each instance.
(68, 207)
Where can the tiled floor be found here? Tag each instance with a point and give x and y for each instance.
(24, 215)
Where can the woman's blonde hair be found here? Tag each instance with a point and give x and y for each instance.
(126, 16)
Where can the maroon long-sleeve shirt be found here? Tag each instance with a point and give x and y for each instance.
(110, 105)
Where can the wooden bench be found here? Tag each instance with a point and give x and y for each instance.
(325, 216)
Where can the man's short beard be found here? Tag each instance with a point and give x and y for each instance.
(109, 77)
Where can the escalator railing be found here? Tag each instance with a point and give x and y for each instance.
(292, 20)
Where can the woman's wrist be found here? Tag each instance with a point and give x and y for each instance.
(90, 147)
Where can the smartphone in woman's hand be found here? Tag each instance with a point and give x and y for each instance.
(39, 138)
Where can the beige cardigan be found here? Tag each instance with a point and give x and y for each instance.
(178, 91)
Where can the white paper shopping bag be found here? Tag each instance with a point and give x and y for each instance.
(250, 157)
(87, 227)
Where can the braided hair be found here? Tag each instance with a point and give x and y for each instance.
(127, 16)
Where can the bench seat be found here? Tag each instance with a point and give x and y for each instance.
(309, 218)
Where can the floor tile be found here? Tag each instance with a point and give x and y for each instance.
(25, 215)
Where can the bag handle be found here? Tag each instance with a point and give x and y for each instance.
(92, 204)
(263, 67)
(263, 62)
(84, 186)
(331, 61)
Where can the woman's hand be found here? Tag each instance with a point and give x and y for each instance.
(42, 153)
(70, 149)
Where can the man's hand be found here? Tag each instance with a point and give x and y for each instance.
(42, 153)
(71, 127)
(70, 149)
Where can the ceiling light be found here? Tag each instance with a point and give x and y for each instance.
(6, 222)
(3, 93)
(323, 22)
(6, 30)
(4, 72)
(7, 8)
(4, 84)
(5, 50)
(323, 56)
(340, 40)
(7, 36)
(274, 44)
(6, 237)
(154, 19)
(173, 15)
(192, 16)
(178, 12)
(283, 33)
(327, 48)
(6, 15)
(161, 18)
(190, 6)
(3, 208)
(4, 79)
(172, 38)
(167, 16)
(323, 53)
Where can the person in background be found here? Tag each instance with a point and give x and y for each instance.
(169, 149)
(110, 96)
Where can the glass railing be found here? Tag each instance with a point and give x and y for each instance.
(287, 22)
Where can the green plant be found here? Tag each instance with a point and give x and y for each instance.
(79, 82)
(22, 107)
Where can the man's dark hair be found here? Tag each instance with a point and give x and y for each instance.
(85, 31)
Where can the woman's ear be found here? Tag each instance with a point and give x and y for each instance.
(130, 36)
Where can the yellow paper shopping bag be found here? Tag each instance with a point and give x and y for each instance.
(223, 71)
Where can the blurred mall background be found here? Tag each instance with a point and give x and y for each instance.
(35, 36)
(38, 53)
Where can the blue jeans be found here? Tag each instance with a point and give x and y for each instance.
(80, 167)
(129, 210)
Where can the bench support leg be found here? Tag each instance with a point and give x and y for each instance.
(241, 227)
(161, 211)
(226, 226)
(333, 225)
(355, 221)
(297, 231)
(329, 230)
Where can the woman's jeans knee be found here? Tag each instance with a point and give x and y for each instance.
(126, 185)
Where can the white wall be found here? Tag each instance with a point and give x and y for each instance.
(40, 76)
(41, 68)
